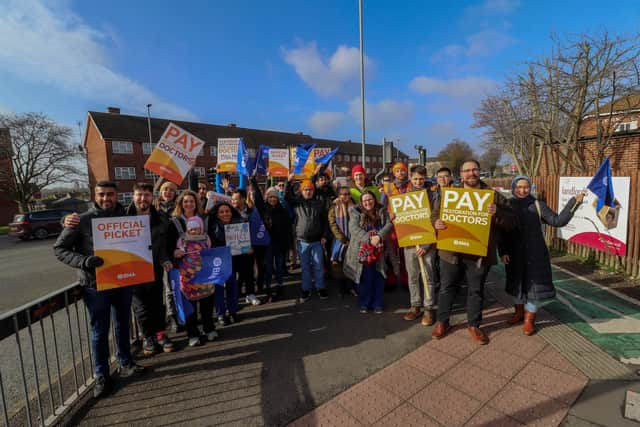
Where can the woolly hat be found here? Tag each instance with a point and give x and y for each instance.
(169, 185)
(518, 178)
(195, 222)
(271, 191)
(399, 165)
(307, 183)
(357, 168)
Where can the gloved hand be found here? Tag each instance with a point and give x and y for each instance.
(93, 261)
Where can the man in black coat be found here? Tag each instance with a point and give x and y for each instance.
(74, 247)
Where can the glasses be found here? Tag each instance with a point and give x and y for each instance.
(470, 170)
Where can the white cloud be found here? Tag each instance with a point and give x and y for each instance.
(324, 122)
(466, 92)
(331, 77)
(494, 7)
(481, 44)
(60, 50)
(386, 114)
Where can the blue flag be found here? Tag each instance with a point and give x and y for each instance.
(216, 266)
(261, 161)
(243, 159)
(602, 185)
(327, 157)
(302, 154)
(184, 307)
(259, 234)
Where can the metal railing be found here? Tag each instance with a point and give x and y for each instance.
(45, 358)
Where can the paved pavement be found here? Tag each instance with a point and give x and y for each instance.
(29, 271)
(323, 363)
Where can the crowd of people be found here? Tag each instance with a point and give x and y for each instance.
(340, 234)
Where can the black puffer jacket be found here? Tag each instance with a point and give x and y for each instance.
(311, 216)
(276, 219)
(75, 245)
(529, 268)
(159, 227)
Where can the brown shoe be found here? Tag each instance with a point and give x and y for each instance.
(478, 335)
(427, 318)
(518, 316)
(413, 313)
(529, 327)
(441, 330)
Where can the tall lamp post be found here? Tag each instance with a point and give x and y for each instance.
(362, 81)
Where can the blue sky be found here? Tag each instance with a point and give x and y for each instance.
(284, 65)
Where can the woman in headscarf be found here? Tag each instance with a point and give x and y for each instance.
(525, 254)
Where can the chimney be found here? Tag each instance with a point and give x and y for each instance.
(231, 125)
(113, 110)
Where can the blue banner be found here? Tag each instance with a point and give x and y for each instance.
(327, 157)
(216, 266)
(602, 185)
(184, 307)
(259, 234)
(261, 162)
(243, 159)
(302, 154)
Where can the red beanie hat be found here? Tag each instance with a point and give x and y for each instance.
(357, 168)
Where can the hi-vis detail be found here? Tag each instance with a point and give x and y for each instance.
(413, 218)
(468, 221)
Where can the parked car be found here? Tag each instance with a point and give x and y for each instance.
(39, 224)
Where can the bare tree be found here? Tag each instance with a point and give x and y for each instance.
(41, 154)
(455, 153)
(545, 109)
(490, 159)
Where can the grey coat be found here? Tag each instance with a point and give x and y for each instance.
(529, 269)
(352, 267)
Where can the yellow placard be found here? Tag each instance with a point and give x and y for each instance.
(124, 244)
(413, 218)
(465, 211)
(278, 162)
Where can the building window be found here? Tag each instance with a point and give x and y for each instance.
(200, 171)
(147, 147)
(626, 127)
(122, 147)
(125, 173)
(150, 175)
(368, 159)
(125, 198)
(360, 159)
(213, 150)
(251, 151)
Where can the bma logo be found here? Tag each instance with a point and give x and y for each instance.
(217, 262)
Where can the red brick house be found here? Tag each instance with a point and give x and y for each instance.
(117, 146)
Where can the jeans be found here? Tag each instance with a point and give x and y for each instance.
(274, 257)
(102, 306)
(529, 305)
(450, 275)
(226, 297)
(370, 288)
(311, 258)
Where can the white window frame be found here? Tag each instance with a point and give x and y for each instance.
(122, 147)
(125, 198)
(147, 148)
(150, 175)
(202, 173)
(125, 172)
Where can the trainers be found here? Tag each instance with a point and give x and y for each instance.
(149, 346)
(195, 342)
(413, 313)
(323, 294)
(211, 336)
(363, 310)
(378, 311)
(130, 369)
(254, 299)
(102, 387)
(304, 297)
(167, 345)
(222, 321)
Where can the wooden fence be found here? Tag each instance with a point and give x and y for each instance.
(547, 187)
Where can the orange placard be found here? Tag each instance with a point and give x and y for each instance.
(465, 211)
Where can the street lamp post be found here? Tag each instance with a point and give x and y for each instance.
(362, 81)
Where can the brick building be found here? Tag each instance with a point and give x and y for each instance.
(8, 207)
(117, 146)
(624, 146)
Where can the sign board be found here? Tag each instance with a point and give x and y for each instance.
(124, 243)
(238, 238)
(465, 211)
(175, 154)
(278, 162)
(605, 230)
(227, 154)
(413, 218)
